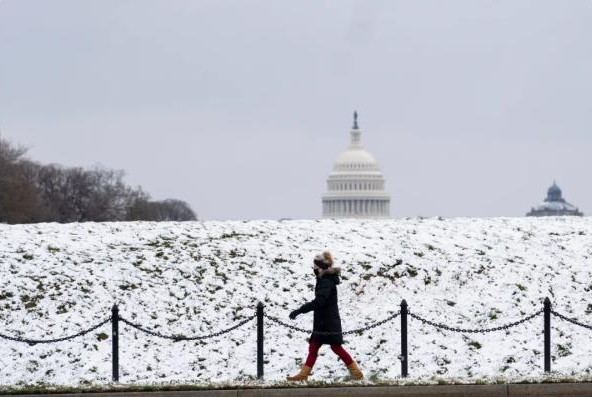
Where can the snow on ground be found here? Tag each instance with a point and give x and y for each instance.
(196, 278)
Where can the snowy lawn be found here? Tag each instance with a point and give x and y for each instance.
(196, 278)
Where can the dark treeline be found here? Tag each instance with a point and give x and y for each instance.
(31, 192)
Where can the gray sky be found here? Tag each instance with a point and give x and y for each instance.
(240, 107)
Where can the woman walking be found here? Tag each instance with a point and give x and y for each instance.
(326, 319)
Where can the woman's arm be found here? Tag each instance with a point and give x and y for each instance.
(321, 295)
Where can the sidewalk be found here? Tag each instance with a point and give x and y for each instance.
(504, 390)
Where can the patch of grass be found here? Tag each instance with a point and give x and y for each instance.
(412, 272)
(521, 287)
(563, 350)
(53, 249)
(30, 302)
(475, 344)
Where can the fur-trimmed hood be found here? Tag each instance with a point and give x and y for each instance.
(333, 272)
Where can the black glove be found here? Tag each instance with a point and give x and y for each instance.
(294, 314)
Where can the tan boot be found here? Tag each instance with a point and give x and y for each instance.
(302, 375)
(355, 372)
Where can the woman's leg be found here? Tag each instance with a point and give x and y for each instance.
(351, 365)
(342, 353)
(313, 352)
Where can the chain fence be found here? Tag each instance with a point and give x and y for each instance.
(353, 331)
(576, 322)
(476, 330)
(260, 315)
(33, 342)
(179, 338)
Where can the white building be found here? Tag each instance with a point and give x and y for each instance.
(355, 188)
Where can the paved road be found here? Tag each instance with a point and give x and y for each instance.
(538, 390)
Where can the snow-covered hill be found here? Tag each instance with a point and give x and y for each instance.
(195, 278)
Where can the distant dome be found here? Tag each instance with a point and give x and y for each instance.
(554, 205)
(355, 188)
(554, 193)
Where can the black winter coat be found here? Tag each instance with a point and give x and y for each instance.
(326, 309)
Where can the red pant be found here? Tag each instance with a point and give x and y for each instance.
(313, 353)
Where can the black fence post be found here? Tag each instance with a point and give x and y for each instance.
(404, 353)
(115, 341)
(547, 313)
(260, 340)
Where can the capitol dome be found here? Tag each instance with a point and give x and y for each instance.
(355, 156)
(355, 187)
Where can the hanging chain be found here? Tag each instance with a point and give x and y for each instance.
(353, 331)
(561, 316)
(55, 340)
(477, 330)
(294, 328)
(178, 338)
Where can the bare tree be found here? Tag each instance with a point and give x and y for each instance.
(177, 210)
(30, 192)
(18, 197)
(160, 211)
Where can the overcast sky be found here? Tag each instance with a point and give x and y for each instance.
(472, 107)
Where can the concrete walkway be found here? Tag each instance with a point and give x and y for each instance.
(535, 390)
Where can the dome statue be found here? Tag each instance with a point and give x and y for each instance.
(355, 187)
(554, 205)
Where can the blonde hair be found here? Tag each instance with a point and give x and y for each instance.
(328, 258)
